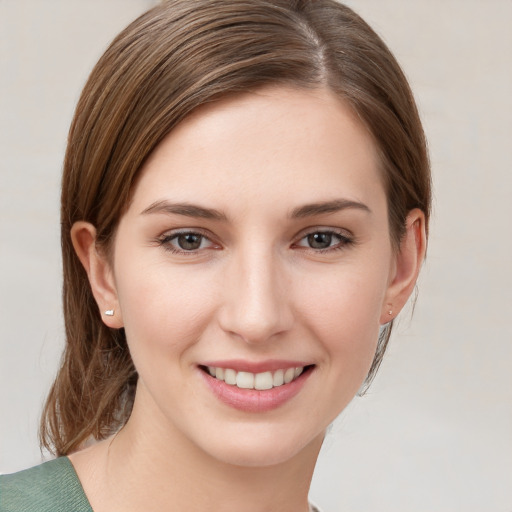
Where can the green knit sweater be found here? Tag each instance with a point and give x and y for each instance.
(50, 487)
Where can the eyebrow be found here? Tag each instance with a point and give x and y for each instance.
(310, 210)
(185, 209)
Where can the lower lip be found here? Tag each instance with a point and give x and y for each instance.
(252, 400)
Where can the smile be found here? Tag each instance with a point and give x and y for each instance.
(259, 381)
(255, 387)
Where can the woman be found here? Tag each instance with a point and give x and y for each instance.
(245, 203)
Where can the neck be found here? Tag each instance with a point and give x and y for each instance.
(150, 469)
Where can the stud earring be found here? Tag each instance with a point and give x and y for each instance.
(109, 312)
(390, 312)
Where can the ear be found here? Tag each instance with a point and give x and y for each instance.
(99, 272)
(406, 266)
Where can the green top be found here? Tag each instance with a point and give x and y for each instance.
(50, 487)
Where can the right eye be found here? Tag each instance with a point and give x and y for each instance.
(189, 241)
(186, 242)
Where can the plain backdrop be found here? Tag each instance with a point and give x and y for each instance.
(434, 433)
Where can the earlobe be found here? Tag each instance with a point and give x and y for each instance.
(99, 272)
(408, 262)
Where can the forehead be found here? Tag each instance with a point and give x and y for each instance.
(273, 144)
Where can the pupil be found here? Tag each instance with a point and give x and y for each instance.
(320, 240)
(189, 241)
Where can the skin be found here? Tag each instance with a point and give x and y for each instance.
(254, 290)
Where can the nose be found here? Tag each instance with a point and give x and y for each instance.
(256, 303)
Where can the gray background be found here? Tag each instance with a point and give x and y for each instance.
(435, 431)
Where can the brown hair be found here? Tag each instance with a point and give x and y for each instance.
(176, 57)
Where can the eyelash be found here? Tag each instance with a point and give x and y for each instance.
(344, 241)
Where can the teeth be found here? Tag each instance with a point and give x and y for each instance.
(289, 375)
(263, 381)
(230, 377)
(278, 378)
(259, 381)
(245, 380)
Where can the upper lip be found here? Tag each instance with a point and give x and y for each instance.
(241, 365)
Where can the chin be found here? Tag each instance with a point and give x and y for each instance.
(262, 446)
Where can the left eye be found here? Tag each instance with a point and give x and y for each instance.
(323, 240)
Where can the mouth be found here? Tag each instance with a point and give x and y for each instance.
(262, 381)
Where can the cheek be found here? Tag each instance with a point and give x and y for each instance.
(164, 312)
(344, 311)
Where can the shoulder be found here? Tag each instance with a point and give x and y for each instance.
(52, 486)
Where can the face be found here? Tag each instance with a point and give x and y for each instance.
(256, 243)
